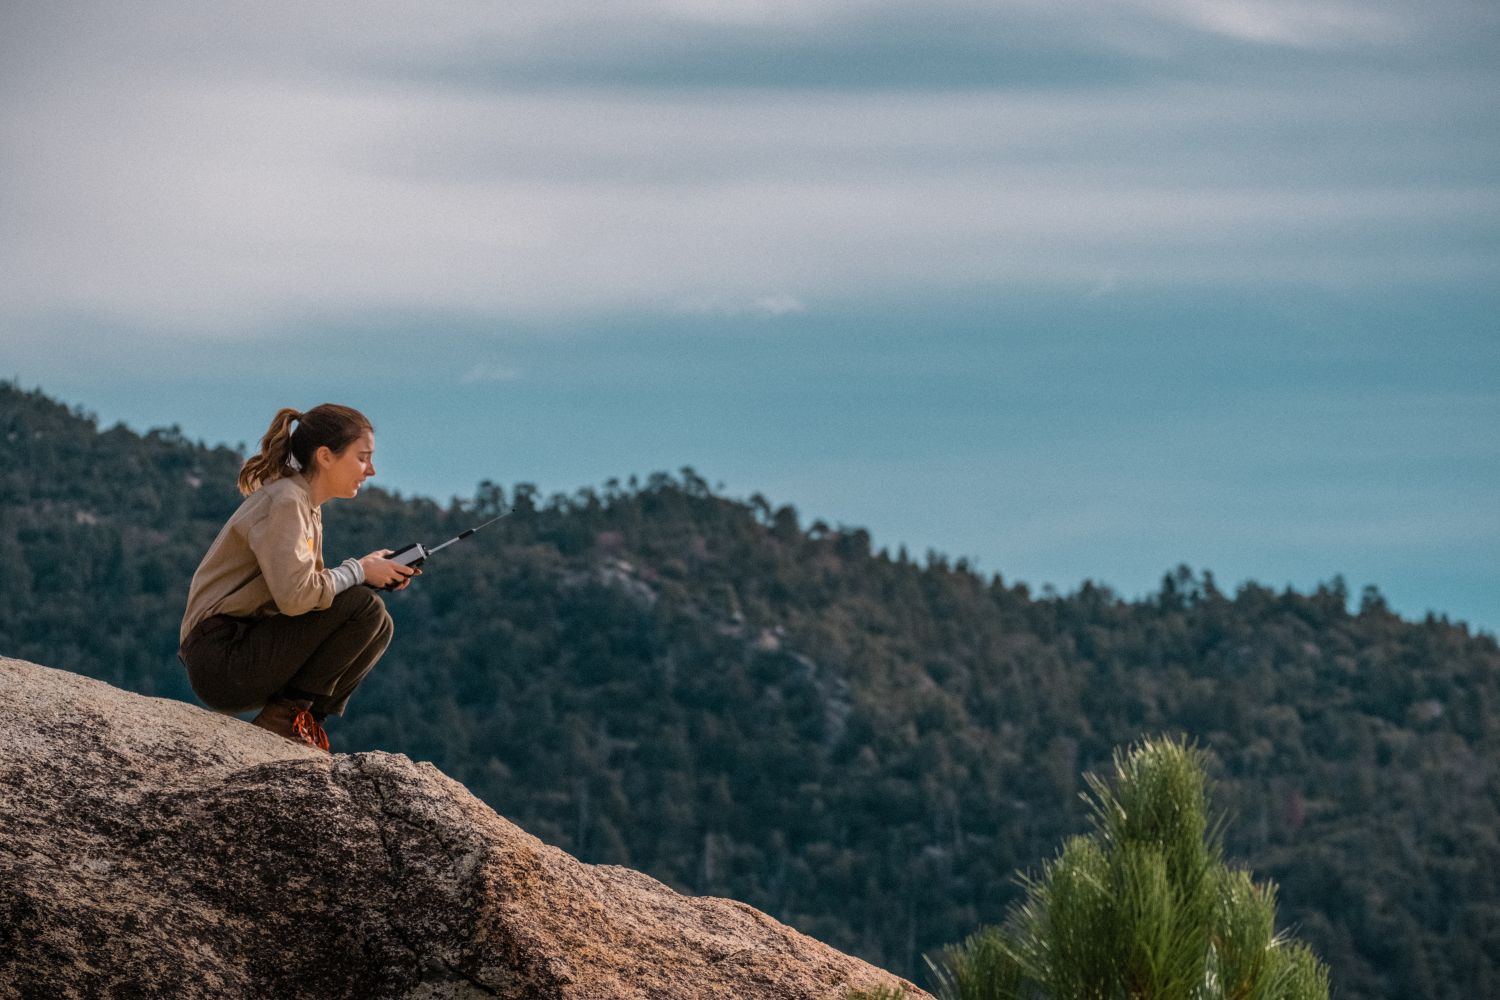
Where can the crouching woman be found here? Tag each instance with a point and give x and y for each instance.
(267, 626)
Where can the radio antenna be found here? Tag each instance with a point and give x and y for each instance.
(463, 535)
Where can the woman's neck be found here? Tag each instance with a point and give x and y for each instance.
(312, 489)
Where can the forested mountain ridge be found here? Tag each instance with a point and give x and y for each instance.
(861, 745)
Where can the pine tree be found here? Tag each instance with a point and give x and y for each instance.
(1142, 908)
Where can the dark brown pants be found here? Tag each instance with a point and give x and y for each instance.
(235, 665)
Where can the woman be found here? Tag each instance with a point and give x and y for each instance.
(267, 626)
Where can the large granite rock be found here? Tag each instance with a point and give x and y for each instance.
(149, 848)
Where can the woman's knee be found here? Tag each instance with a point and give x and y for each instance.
(371, 611)
(357, 598)
(360, 603)
(364, 612)
(384, 625)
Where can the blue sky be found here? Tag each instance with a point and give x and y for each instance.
(1080, 292)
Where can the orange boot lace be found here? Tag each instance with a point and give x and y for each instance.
(309, 731)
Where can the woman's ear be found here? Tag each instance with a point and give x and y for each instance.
(323, 457)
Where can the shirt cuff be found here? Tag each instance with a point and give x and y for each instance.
(347, 574)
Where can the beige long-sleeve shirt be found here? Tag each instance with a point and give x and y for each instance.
(267, 560)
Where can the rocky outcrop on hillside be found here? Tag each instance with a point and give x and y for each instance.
(149, 848)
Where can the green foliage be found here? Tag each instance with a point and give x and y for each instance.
(862, 745)
(1143, 908)
(985, 966)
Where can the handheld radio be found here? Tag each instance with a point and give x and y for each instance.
(415, 554)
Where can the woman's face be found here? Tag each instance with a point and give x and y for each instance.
(340, 475)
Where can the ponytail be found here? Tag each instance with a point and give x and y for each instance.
(275, 450)
(283, 451)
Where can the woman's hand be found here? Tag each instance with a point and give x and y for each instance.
(380, 572)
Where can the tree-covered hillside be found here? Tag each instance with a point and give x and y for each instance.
(865, 746)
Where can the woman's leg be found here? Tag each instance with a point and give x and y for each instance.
(322, 653)
(321, 675)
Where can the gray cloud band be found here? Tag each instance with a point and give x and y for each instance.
(173, 170)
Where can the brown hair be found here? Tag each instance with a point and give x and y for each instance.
(328, 424)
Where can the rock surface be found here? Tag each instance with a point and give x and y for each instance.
(149, 848)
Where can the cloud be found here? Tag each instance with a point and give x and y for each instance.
(845, 44)
(1108, 283)
(778, 305)
(489, 373)
(767, 306)
(883, 45)
(178, 170)
(1324, 25)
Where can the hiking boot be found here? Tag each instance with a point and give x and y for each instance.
(310, 730)
(291, 721)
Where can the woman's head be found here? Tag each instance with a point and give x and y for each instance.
(327, 426)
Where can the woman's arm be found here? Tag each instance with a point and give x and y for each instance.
(349, 573)
(284, 541)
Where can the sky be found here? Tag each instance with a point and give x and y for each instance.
(1080, 291)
